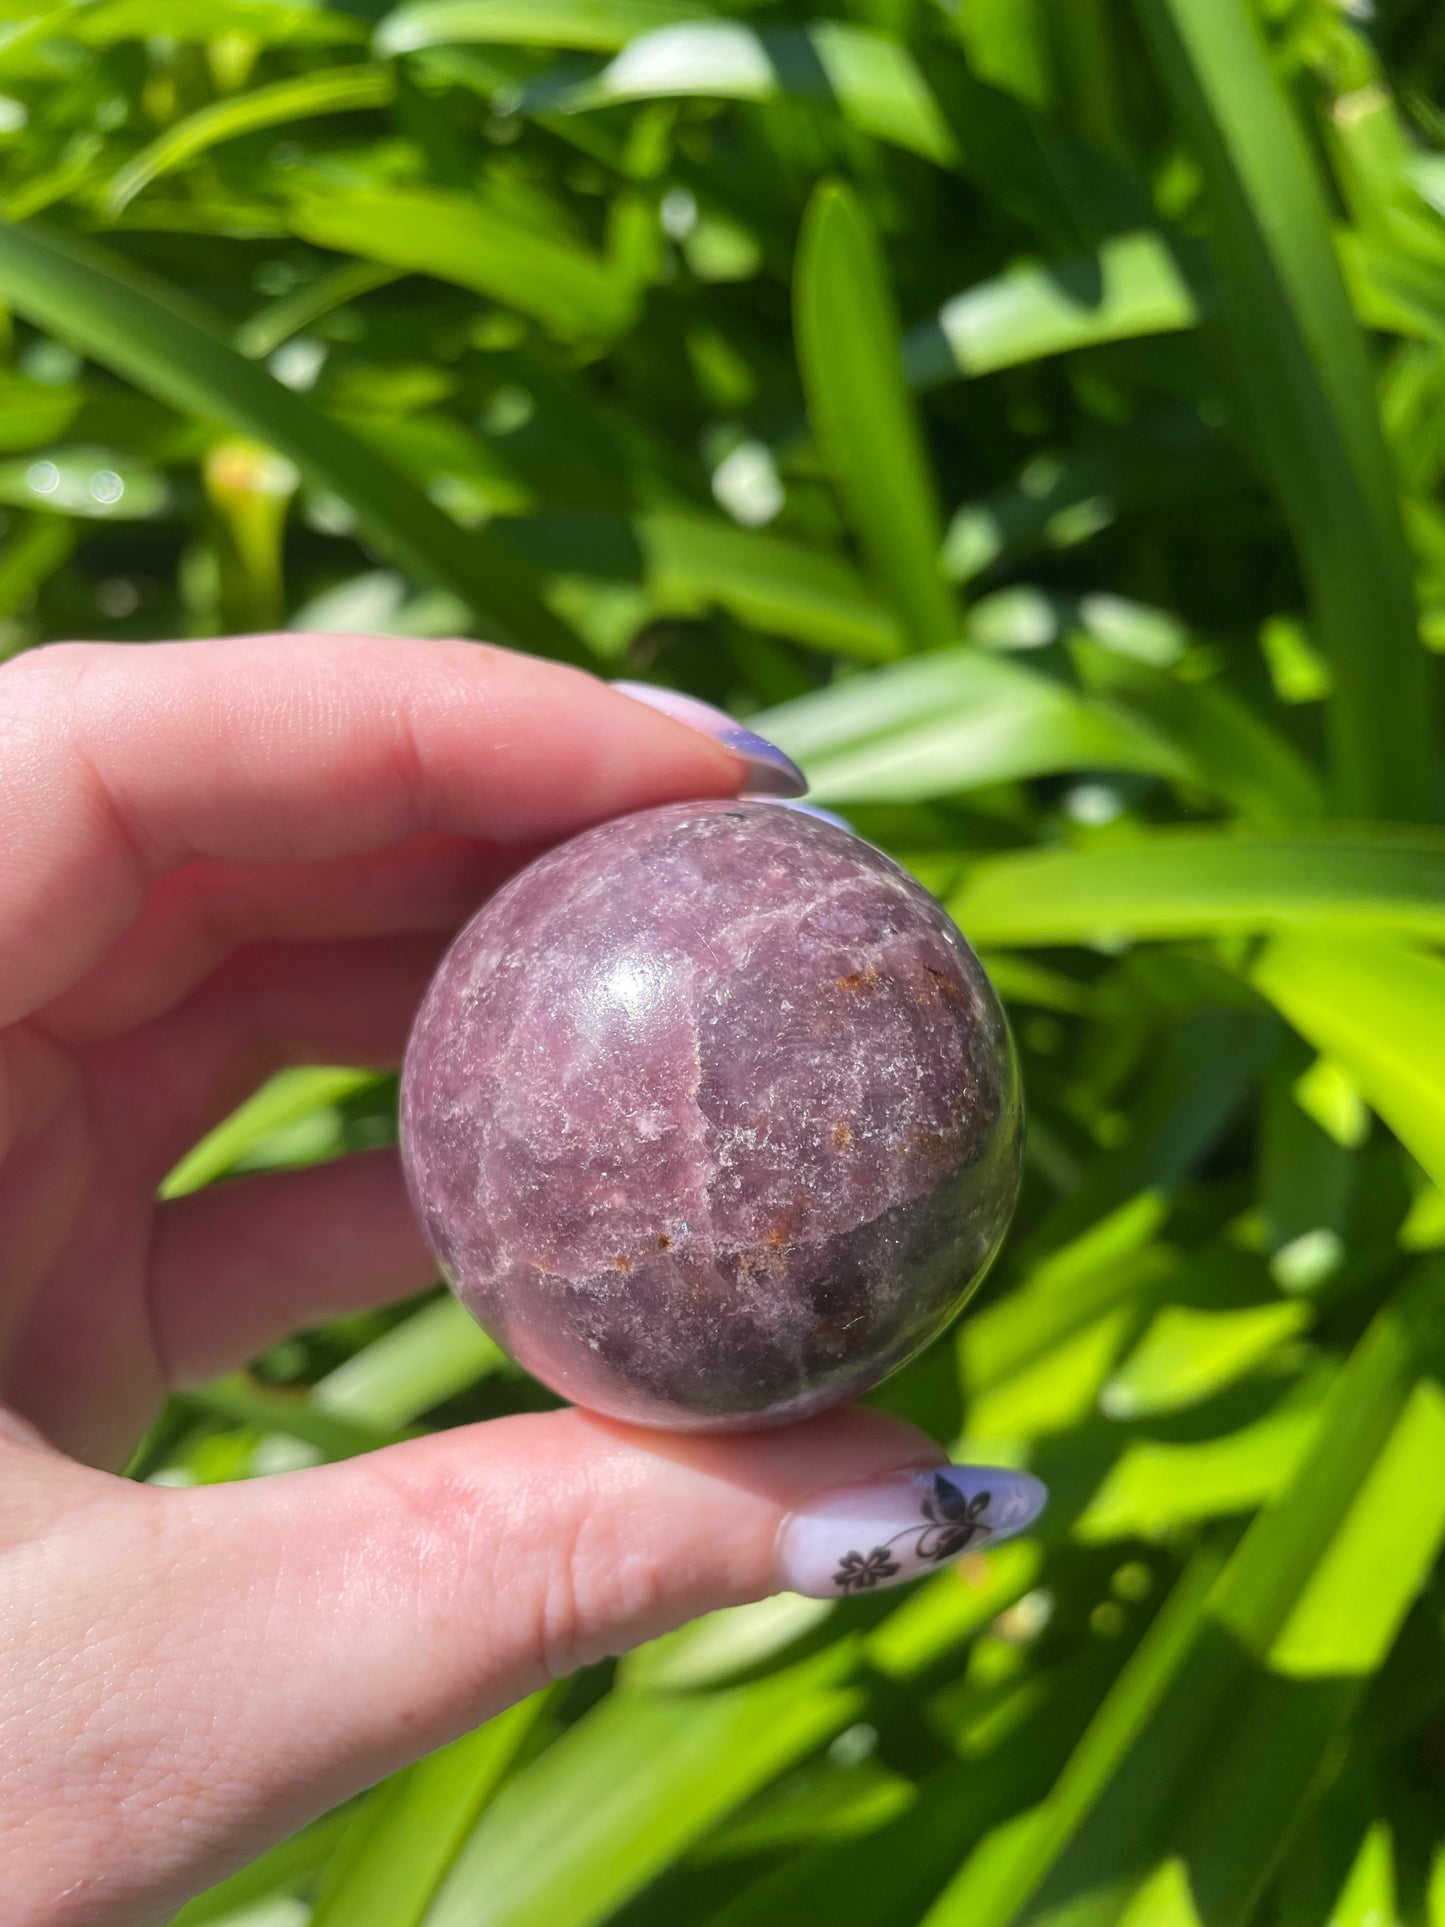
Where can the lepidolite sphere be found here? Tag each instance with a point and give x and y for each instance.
(712, 1117)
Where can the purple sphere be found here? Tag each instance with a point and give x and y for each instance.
(711, 1116)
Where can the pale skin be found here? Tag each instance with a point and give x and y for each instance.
(217, 859)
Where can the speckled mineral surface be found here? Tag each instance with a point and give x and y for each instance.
(712, 1117)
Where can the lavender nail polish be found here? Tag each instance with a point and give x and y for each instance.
(811, 809)
(896, 1528)
(770, 772)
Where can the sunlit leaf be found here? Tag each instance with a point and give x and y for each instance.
(35, 548)
(272, 23)
(1300, 359)
(151, 334)
(334, 90)
(862, 414)
(430, 1357)
(34, 412)
(459, 238)
(282, 1871)
(1217, 1700)
(597, 26)
(96, 484)
(953, 722)
(1156, 1486)
(1130, 287)
(782, 587)
(288, 1096)
(626, 1789)
(1378, 1009)
(402, 1843)
(872, 78)
(1187, 1355)
(1182, 883)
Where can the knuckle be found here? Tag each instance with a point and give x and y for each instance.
(601, 1592)
(551, 1568)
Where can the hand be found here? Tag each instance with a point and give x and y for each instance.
(217, 859)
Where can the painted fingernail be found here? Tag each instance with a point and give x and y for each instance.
(809, 809)
(770, 772)
(896, 1528)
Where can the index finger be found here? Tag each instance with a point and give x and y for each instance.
(122, 762)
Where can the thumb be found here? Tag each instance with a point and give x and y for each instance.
(306, 1634)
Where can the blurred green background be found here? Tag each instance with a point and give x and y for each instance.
(1031, 413)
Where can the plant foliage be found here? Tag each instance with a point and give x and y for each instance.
(1033, 417)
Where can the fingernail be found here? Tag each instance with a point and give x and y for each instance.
(770, 772)
(811, 809)
(893, 1529)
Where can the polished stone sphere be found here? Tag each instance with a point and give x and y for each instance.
(712, 1117)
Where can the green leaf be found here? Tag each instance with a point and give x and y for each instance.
(96, 484)
(1205, 1752)
(1300, 358)
(1378, 1010)
(1191, 883)
(1156, 1486)
(34, 412)
(153, 336)
(36, 546)
(281, 1871)
(241, 1400)
(288, 1096)
(592, 26)
(1114, 1264)
(1130, 287)
(826, 1801)
(993, 1886)
(1373, 1417)
(1235, 753)
(1063, 498)
(954, 721)
(721, 1645)
(432, 1356)
(263, 332)
(1188, 1354)
(871, 78)
(1341, 1623)
(937, 1617)
(780, 586)
(270, 23)
(459, 238)
(1200, 1074)
(861, 412)
(1019, 980)
(334, 90)
(627, 1789)
(407, 1836)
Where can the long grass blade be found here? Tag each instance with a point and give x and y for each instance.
(862, 414)
(1189, 883)
(1377, 1009)
(589, 26)
(336, 90)
(156, 338)
(1300, 358)
(872, 78)
(1132, 286)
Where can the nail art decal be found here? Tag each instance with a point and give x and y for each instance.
(893, 1529)
(770, 772)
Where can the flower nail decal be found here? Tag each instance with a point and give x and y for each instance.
(894, 1528)
(952, 1521)
(858, 1570)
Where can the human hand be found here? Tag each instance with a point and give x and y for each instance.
(217, 859)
